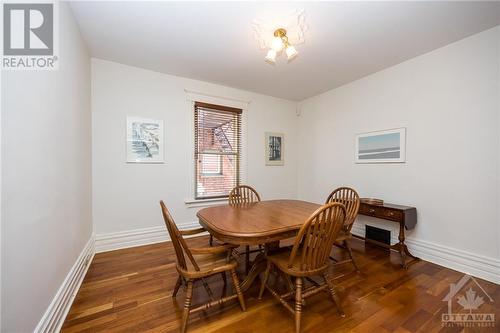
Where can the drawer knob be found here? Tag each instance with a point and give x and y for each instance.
(372, 210)
(391, 213)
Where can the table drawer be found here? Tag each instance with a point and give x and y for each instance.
(381, 212)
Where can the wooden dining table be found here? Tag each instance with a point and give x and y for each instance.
(264, 222)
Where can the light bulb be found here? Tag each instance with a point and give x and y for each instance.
(291, 52)
(271, 56)
(277, 44)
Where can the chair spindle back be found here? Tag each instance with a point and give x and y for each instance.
(316, 237)
(350, 199)
(243, 194)
(178, 241)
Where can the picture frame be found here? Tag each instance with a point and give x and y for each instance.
(275, 148)
(145, 140)
(386, 146)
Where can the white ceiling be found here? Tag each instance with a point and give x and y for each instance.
(213, 41)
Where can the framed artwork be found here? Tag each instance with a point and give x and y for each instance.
(387, 146)
(144, 140)
(275, 148)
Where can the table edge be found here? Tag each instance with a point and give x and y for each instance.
(252, 234)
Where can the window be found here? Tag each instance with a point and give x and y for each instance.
(211, 165)
(217, 140)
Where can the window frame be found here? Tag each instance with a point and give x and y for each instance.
(191, 97)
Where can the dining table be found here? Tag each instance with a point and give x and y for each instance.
(258, 223)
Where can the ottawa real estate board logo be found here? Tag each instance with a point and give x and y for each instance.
(30, 35)
(469, 305)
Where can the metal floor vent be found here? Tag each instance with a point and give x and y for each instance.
(378, 235)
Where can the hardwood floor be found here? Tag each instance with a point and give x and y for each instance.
(130, 291)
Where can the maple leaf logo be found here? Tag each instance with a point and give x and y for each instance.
(470, 301)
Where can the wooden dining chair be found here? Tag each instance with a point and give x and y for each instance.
(307, 258)
(211, 261)
(242, 195)
(350, 199)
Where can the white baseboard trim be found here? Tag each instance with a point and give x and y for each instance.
(54, 316)
(137, 237)
(466, 262)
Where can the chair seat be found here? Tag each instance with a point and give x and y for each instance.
(281, 257)
(343, 235)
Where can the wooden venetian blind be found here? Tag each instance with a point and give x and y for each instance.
(217, 150)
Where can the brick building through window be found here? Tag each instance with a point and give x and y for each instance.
(217, 150)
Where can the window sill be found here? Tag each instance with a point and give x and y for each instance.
(192, 203)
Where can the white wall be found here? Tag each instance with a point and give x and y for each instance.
(126, 196)
(46, 178)
(448, 100)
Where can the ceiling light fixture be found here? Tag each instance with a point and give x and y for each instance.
(280, 35)
(280, 42)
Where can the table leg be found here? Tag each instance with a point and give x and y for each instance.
(402, 248)
(258, 266)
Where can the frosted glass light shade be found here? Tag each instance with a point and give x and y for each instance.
(291, 52)
(277, 44)
(271, 56)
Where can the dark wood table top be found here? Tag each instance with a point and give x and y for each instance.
(389, 205)
(256, 223)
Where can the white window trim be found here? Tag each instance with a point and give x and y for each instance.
(191, 98)
(193, 203)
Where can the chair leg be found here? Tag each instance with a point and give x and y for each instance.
(177, 286)
(236, 284)
(335, 299)
(348, 248)
(224, 277)
(247, 259)
(298, 303)
(211, 240)
(187, 305)
(264, 280)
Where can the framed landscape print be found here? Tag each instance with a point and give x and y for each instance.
(144, 140)
(387, 146)
(275, 148)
